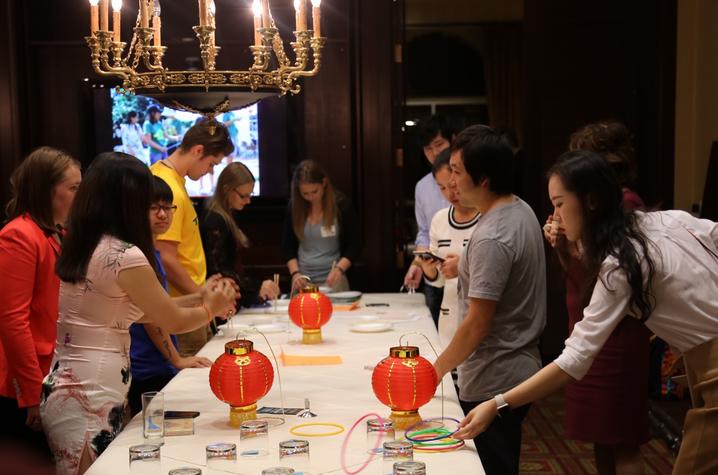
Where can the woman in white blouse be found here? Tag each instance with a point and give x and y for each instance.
(660, 267)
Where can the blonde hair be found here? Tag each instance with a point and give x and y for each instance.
(234, 175)
(309, 171)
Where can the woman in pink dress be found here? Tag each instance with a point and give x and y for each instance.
(108, 282)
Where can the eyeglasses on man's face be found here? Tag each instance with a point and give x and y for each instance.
(165, 209)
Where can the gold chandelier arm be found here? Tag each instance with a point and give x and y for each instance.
(99, 44)
(317, 47)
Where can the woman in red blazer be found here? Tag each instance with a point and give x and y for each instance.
(43, 187)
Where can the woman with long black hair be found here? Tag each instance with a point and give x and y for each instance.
(661, 268)
(108, 282)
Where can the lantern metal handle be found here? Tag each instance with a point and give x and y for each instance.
(276, 364)
(437, 355)
(292, 292)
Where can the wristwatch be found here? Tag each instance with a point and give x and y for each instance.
(502, 406)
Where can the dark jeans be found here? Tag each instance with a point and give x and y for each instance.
(134, 396)
(432, 297)
(14, 431)
(499, 446)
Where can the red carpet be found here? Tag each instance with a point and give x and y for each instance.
(545, 451)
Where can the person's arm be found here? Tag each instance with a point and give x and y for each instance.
(18, 260)
(548, 380)
(472, 331)
(214, 240)
(295, 273)
(605, 311)
(290, 248)
(349, 234)
(422, 220)
(163, 342)
(290, 243)
(145, 291)
(147, 139)
(429, 267)
(177, 275)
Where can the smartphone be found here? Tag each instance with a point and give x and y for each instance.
(181, 414)
(428, 255)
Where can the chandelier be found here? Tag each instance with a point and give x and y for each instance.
(140, 66)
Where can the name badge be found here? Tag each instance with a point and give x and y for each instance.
(330, 231)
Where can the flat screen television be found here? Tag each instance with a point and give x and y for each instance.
(168, 132)
(263, 137)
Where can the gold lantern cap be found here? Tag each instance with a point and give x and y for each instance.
(309, 289)
(238, 347)
(404, 351)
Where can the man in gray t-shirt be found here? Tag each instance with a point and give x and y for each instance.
(504, 262)
(502, 293)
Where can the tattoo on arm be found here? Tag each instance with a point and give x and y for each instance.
(165, 344)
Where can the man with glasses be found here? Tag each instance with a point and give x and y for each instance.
(203, 146)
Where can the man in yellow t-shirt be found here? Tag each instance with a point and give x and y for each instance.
(203, 146)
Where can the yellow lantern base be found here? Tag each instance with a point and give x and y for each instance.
(312, 337)
(404, 419)
(239, 414)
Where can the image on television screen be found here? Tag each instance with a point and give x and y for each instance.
(136, 134)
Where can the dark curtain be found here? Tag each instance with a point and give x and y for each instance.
(501, 51)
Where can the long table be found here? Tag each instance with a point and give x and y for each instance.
(338, 393)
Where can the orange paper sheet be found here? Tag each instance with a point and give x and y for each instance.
(303, 360)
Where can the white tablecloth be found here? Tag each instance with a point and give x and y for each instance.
(338, 394)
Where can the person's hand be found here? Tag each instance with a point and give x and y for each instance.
(552, 231)
(333, 278)
(192, 362)
(427, 264)
(450, 267)
(298, 282)
(220, 297)
(413, 276)
(163, 149)
(269, 290)
(33, 420)
(477, 421)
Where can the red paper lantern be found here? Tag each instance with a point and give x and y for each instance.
(240, 377)
(310, 310)
(404, 381)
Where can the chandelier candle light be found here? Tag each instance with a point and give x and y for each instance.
(141, 69)
(240, 377)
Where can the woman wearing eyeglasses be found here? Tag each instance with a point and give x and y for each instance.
(222, 239)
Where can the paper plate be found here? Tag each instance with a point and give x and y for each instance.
(349, 294)
(367, 318)
(371, 327)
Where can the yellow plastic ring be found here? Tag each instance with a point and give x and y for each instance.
(339, 427)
